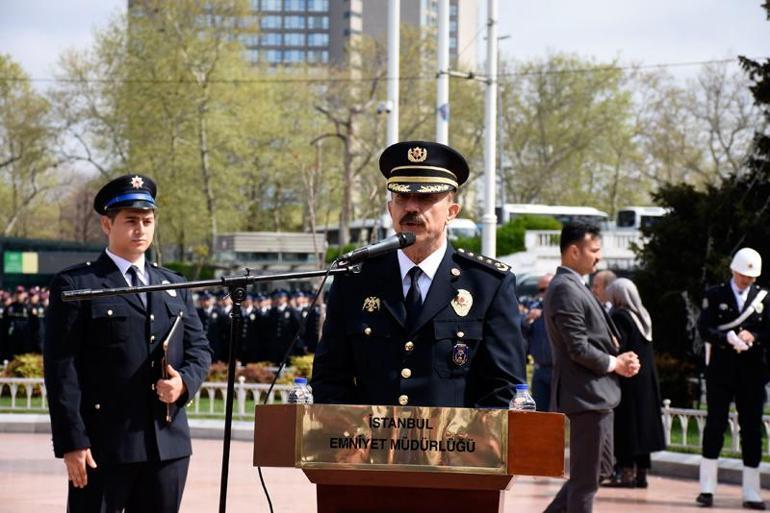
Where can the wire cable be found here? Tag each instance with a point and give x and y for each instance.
(321, 80)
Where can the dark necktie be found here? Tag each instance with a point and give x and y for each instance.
(413, 297)
(135, 282)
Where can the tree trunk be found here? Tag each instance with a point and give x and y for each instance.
(206, 174)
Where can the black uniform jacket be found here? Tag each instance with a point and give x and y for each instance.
(454, 356)
(102, 359)
(719, 307)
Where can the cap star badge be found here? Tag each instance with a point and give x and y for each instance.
(137, 182)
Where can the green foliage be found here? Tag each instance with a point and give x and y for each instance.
(690, 249)
(192, 271)
(303, 365)
(510, 236)
(29, 365)
(333, 252)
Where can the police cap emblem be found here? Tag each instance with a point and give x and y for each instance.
(417, 154)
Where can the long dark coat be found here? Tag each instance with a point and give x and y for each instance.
(638, 425)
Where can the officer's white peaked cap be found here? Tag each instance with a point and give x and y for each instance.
(747, 262)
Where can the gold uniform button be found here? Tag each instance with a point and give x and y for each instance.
(403, 400)
(152, 338)
(460, 334)
(368, 330)
(406, 373)
(409, 347)
(152, 317)
(455, 272)
(97, 406)
(109, 312)
(152, 387)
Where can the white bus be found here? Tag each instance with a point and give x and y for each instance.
(561, 213)
(636, 218)
(364, 231)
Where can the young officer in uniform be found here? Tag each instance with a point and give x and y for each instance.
(427, 325)
(120, 427)
(736, 327)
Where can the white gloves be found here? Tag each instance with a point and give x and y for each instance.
(738, 344)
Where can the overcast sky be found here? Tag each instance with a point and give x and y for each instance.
(34, 32)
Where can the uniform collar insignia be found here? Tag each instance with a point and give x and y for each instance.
(371, 304)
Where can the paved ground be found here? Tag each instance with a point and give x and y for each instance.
(32, 481)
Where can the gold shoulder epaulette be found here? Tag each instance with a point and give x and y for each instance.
(481, 259)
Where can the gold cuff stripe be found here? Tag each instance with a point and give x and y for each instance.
(422, 179)
(434, 168)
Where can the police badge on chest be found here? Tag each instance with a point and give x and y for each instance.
(460, 354)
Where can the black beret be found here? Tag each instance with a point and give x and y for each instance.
(127, 191)
(423, 167)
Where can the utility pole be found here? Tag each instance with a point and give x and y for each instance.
(391, 107)
(489, 219)
(442, 75)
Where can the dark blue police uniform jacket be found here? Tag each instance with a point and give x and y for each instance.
(463, 359)
(726, 365)
(102, 359)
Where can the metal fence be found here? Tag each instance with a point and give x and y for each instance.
(28, 394)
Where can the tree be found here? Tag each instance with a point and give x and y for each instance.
(691, 248)
(26, 160)
(565, 132)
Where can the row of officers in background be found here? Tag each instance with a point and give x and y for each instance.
(270, 321)
(269, 325)
(22, 321)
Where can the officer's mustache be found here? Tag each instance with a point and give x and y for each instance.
(412, 218)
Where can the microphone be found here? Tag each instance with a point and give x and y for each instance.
(392, 243)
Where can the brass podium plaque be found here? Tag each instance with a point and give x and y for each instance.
(409, 438)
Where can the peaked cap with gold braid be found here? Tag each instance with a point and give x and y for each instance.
(423, 167)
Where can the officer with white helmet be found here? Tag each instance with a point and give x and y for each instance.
(734, 323)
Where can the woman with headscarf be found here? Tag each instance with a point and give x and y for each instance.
(638, 427)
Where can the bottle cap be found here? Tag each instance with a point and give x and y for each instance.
(522, 387)
(303, 381)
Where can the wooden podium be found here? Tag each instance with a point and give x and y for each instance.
(355, 471)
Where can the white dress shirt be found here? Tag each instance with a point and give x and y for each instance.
(429, 267)
(124, 265)
(740, 295)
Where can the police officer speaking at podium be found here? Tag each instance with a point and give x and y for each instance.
(119, 425)
(427, 325)
(735, 325)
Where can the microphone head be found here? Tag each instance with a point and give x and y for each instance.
(406, 239)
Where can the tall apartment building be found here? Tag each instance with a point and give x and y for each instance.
(317, 31)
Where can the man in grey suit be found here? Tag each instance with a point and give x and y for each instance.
(586, 361)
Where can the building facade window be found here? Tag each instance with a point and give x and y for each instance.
(294, 5)
(250, 40)
(271, 5)
(293, 22)
(294, 39)
(318, 5)
(318, 39)
(318, 22)
(271, 39)
(293, 56)
(272, 56)
(271, 22)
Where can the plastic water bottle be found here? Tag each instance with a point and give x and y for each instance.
(522, 400)
(301, 393)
